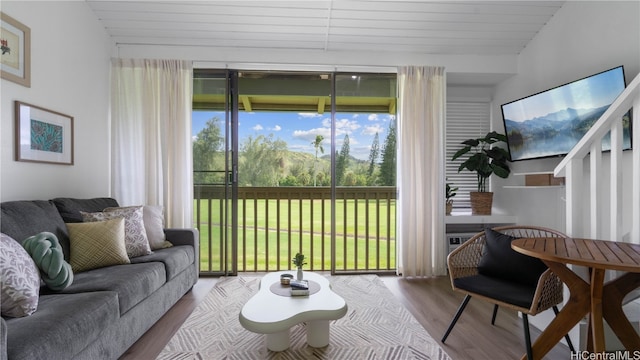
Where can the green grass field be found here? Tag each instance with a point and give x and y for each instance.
(266, 241)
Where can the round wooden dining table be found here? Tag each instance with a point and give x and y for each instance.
(595, 298)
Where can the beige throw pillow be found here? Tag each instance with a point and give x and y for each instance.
(135, 235)
(97, 244)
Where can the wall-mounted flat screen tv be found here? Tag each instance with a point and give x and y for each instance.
(550, 123)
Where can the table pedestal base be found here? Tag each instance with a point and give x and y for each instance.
(318, 333)
(597, 300)
(278, 341)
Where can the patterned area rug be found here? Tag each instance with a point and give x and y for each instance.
(376, 326)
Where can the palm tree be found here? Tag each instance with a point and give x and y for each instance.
(317, 144)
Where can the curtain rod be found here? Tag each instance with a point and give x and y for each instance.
(293, 67)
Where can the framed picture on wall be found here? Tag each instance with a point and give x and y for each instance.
(15, 57)
(43, 135)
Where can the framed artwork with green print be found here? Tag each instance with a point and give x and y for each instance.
(43, 135)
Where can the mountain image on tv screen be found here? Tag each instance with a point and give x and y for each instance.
(550, 123)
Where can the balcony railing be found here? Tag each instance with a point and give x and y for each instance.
(274, 223)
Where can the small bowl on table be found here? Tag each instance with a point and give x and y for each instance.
(285, 279)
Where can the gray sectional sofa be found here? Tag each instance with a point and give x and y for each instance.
(105, 310)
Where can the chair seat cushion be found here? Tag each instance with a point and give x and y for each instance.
(503, 290)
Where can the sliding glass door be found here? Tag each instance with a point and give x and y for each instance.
(284, 198)
(365, 170)
(282, 168)
(215, 170)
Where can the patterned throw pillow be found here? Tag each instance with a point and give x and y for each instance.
(97, 244)
(135, 235)
(153, 224)
(19, 279)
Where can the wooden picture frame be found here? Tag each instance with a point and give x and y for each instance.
(15, 54)
(43, 135)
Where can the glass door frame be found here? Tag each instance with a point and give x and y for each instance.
(232, 128)
(230, 219)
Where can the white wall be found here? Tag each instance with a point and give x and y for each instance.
(583, 38)
(70, 57)
(317, 60)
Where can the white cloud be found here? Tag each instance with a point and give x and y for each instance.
(346, 126)
(257, 127)
(277, 128)
(371, 130)
(311, 134)
(373, 117)
(309, 115)
(343, 126)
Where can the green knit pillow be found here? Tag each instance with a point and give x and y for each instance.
(46, 252)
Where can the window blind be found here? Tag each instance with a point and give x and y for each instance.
(465, 120)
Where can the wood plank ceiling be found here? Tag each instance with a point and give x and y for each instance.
(423, 27)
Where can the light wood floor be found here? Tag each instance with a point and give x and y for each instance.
(431, 301)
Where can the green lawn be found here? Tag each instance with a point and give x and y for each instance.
(265, 235)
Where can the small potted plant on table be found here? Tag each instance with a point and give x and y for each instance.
(450, 193)
(298, 261)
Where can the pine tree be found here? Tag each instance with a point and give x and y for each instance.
(388, 165)
(317, 144)
(342, 161)
(373, 158)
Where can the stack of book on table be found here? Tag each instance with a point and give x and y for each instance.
(299, 287)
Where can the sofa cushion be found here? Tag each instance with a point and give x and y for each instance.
(19, 279)
(97, 244)
(63, 324)
(501, 261)
(132, 282)
(175, 259)
(22, 219)
(70, 208)
(135, 235)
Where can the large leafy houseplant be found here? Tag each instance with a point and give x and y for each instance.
(485, 160)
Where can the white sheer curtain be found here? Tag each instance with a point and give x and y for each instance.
(421, 169)
(151, 136)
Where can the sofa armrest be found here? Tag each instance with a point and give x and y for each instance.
(186, 236)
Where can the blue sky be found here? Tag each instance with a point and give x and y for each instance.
(299, 130)
(592, 92)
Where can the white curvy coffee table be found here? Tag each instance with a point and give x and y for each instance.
(272, 314)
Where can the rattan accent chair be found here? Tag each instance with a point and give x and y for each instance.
(526, 285)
